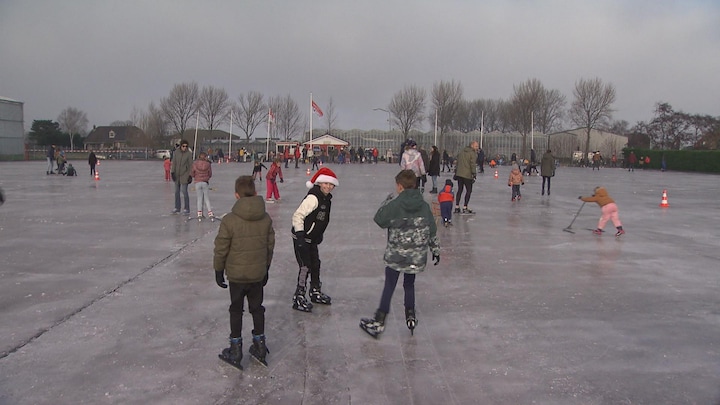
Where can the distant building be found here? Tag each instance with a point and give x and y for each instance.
(114, 138)
(564, 143)
(12, 132)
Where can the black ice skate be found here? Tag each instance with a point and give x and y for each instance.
(259, 350)
(300, 302)
(374, 327)
(233, 354)
(317, 296)
(410, 319)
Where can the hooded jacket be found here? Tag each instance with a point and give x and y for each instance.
(516, 177)
(601, 197)
(245, 242)
(411, 231)
(412, 160)
(466, 163)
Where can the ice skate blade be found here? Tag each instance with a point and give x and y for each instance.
(301, 309)
(257, 358)
(228, 361)
(319, 301)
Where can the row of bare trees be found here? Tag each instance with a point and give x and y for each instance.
(532, 107)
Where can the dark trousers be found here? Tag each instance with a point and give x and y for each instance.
(515, 191)
(309, 263)
(446, 210)
(543, 184)
(463, 183)
(254, 294)
(391, 278)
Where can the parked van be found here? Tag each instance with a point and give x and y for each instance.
(162, 153)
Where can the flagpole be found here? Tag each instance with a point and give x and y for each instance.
(312, 151)
(230, 139)
(197, 123)
(267, 142)
(532, 130)
(436, 118)
(482, 121)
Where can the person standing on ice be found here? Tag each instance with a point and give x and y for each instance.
(180, 168)
(411, 232)
(547, 169)
(308, 227)
(244, 248)
(609, 210)
(465, 173)
(412, 160)
(202, 172)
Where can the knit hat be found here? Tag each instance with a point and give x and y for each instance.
(449, 182)
(324, 175)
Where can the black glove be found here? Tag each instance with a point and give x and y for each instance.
(189, 179)
(523, 183)
(300, 243)
(436, 259)
(267, 275)
(282, 181)
(173, 176)
(579, 197)
(220, 279)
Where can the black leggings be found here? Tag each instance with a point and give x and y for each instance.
(463, 183)
(548, 182)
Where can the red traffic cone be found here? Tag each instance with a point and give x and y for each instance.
(496, 174)
(307, 172)
(664, 202)
(97, 175)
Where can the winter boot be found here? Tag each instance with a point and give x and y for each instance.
(300, 302)
(258, 349)
(233, 354)
(317, 296)
(434, 190)
(374, 327)
(410, 319)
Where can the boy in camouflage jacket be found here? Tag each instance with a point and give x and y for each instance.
(411, 231)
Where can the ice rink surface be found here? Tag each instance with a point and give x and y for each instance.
(106, 298)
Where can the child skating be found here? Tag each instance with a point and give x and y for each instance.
(608, 208)
(243, 252)
(273, 173)
(515, 181)
(257, 170)
(201, 172)
(411, 231)
(446, 196)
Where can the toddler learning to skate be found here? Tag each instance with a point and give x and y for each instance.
(608, 208)
(515, 181)
(446, 196)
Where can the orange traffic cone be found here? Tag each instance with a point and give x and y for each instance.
(97, 175)
(496, 174)
(664, 201)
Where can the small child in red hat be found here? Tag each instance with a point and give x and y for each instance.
(308, 226)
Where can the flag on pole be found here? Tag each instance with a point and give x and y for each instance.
(317, 109)
(271, 117)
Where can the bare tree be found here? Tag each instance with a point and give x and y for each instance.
(288, 119)
(180, 105)
(214, 106)
(251, 112)
(592, 105)
(72, 121)
(330, 115)
(447, 99)
(407, 107)
(527, 98)
(549, 114)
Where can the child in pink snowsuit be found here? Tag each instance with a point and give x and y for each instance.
(608, 208)
(167, 169)
(273, 173)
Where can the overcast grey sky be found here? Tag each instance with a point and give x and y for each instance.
(106, 57)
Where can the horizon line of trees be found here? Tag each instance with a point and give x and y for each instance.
(531, 107)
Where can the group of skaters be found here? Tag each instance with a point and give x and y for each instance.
(244, 245)
(55, 155)
(244, 248)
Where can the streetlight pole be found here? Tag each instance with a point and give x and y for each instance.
(388, 112)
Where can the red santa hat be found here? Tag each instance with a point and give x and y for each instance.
(324, 175)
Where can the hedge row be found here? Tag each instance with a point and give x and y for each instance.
(705, 161)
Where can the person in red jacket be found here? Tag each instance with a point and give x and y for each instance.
(446, 197)
(166, 165)
(273, 173)
(297, 156)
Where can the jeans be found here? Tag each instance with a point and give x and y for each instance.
(186, 198)
(391, 278)
(203, 195)
(50, 165)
